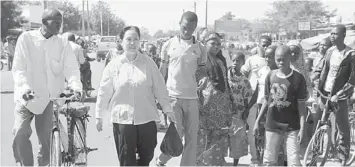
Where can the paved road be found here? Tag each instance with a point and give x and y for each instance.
(105, 156)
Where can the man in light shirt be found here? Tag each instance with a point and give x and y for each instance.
(9, 49)
(253, 68)
(78, 51)
(180, 58)
(42, 61)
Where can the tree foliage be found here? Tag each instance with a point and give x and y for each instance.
(228, 16)
(11, 16)
(109, 19)
(71, 14)
(286, 14)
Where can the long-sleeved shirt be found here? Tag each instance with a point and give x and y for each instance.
(129, 88)
(78, 52)
(42, 65)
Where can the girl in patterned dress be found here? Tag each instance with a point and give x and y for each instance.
(241, 92)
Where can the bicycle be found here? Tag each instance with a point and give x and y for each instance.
(69, 148)
(352, 138)
(318, 148)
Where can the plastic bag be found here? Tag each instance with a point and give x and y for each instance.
(172, 144)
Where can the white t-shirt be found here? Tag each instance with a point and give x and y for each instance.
(336, 58)
(252, 66)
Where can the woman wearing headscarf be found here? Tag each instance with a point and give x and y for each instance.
(215, 106)
(298, 62)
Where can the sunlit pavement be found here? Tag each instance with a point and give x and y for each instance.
(105, 156)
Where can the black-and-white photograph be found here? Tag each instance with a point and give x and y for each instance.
(249, 83)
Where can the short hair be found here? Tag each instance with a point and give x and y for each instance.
(283, 49)
(134, 28)
(150, 44)
(266, 37)
(238, 54)
(71, 37)
(327, 41)
(341, 28)
(190, 17)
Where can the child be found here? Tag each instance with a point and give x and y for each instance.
(240, 93)
(285, 96)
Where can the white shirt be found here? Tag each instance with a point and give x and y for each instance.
(263, 72)
(129, 89)
(252, 66)
(79, 52)
(42, 65)
(335, 59)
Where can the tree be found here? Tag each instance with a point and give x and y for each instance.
(228, 16)
(10, 16)
(71, 14)
(159, 34)
(145, 33)
(110, 20)
(286, 14)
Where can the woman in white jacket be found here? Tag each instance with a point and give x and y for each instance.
(129, 86)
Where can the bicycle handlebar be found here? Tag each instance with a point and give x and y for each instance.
(322, 95)
(67, 97)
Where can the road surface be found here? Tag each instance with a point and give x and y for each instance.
(106, 153)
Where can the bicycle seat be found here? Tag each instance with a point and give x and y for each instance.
(79, 111)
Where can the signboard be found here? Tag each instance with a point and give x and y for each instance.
(227, 26)
(304, 25)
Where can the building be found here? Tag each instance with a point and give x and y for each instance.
(33, 13)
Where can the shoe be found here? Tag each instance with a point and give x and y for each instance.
(91, 89)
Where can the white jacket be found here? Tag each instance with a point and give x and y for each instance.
(42, 65)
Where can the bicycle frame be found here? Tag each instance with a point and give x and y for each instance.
(66, 138)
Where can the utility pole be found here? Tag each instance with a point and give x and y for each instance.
(108, 26)
(206, 15)
(87, 21)
(195, 6)
(102, 33)
(45, 4)
(83, 20)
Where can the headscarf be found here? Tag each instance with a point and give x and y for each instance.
(214, 71)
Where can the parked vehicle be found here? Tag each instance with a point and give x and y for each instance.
(104, 45)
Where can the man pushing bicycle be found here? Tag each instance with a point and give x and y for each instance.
(337, 78)
(42, 61)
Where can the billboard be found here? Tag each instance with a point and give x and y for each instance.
(304, 25)
(227, 26)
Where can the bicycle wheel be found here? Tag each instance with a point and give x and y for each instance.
(55, 152)
(80, 149)
(352, 139)
(318, 148)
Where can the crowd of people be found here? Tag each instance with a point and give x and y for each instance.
(212, 94)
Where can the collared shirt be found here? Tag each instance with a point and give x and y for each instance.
(79, 52)
(42, 65)
(129, 88)
(183, 57)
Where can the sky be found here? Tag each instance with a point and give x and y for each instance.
(165, 14)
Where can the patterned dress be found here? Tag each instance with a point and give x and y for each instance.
(241, 90)
(214, 122)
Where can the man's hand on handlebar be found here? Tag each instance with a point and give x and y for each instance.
(28, 95)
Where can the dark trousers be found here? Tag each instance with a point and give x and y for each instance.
(132, 139)
(10, 59)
